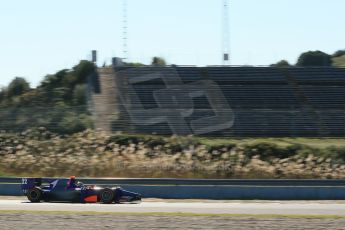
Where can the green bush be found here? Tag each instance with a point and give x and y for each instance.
(337, 153)
(58, 103)
(270, 150)
(314, 59)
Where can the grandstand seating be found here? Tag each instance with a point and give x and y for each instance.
(266, 102)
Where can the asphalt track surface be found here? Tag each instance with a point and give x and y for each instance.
(335, 208)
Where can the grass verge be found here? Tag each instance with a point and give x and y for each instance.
(97, 154)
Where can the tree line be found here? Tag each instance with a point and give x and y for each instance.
(313, 59)
(58, 103)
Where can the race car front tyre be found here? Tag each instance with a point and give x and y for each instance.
(107, 196)
(35, 195)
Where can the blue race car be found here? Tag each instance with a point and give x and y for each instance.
(70, 190)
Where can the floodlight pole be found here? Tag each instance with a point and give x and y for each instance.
(124, 29)
(226, 33)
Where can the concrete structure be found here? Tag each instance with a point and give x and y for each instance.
(264, 102)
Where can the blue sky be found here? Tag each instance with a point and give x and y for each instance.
(39, 37)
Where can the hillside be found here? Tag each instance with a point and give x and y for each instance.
(59, 103)
(339, 61)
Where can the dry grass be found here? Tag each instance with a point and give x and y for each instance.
(90, 153)
(339, 61)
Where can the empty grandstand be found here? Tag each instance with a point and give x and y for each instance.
(260, 101)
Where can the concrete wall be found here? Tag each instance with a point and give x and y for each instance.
(104, 102)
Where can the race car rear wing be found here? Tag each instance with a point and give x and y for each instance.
(29, 183)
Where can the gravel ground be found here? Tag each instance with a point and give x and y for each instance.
(77, 221)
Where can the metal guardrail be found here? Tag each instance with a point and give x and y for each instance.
(204, 182)
(211, 189)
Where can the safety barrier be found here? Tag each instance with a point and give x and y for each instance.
(212, 189)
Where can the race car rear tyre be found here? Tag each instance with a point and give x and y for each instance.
(35, 195)
(107, 196)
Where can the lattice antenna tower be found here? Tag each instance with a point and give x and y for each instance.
(226, 33)
(124, 29)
